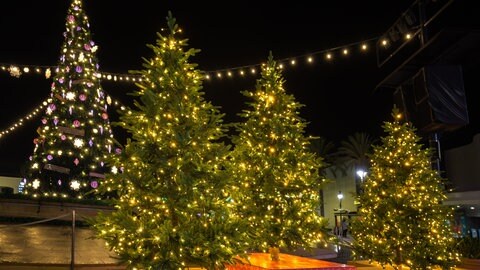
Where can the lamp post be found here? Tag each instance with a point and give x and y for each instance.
(359, 186)
(361, 173)
(340, 197)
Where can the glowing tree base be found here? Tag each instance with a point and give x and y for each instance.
(262, 261)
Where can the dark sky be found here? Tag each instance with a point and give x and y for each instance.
(339, 96)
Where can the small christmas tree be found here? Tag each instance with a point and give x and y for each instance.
(277, 177)
(173, 209)
(75, 137)
(402, 220)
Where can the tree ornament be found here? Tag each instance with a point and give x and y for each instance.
(76, 123)
(94, 184)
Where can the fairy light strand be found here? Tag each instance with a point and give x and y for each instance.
(20, 122)
(242, 71)
(326, 55)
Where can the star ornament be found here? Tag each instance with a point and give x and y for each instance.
(75, 185)
(78, 143)
(35, 184)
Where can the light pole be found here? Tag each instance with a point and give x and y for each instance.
(340, 197)
(361, 173)
(359, 186)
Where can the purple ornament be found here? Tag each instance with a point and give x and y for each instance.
(78, 69)
(44, 121)
(76, 161)
(92, 43)
(79, 28)
(49, 157)
(89, 84)
(76, 8)
(61, 80)
(59, 182)
(52, 107)
(118, 151)
(94, 184)
(90, 143)
(55, 121)
(102, 164)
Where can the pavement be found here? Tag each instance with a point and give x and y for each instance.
(43, 246)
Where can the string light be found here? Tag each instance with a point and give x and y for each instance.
(20, 122)
(18, 70)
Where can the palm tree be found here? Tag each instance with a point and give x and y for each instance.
(354, 152)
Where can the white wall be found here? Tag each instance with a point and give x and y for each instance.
(12, 182)
(345, 184)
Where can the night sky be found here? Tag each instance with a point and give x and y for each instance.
(339, 95)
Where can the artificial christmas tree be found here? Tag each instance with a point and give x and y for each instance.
(75, 137)
(277, 180)
(173, 208)
(402, 220)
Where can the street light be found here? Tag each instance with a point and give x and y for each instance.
(340, 197)
(361, 173)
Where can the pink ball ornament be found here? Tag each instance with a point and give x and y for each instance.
(105, 116)
(49, 157)
(76, 123)
(70, 18)
(94, 184)
(79, 69)
(44, 121)
(82, 97)
(87, 47)
(63, 137)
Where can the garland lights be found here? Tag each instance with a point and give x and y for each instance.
(327, 54)
(39, 108)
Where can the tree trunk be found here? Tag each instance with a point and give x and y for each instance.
(274, 253)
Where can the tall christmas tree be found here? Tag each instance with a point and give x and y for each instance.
(173, 209)
(402, 220)
(277, 183)
(75, 137)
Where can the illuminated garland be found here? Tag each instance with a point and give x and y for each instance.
(39, 108)
(327, 55)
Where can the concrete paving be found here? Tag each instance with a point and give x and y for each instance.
(52, 245)
(40, 246)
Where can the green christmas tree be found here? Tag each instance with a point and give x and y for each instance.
(402, 220)
(75, 137)
(277, 177)
(173, 209)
